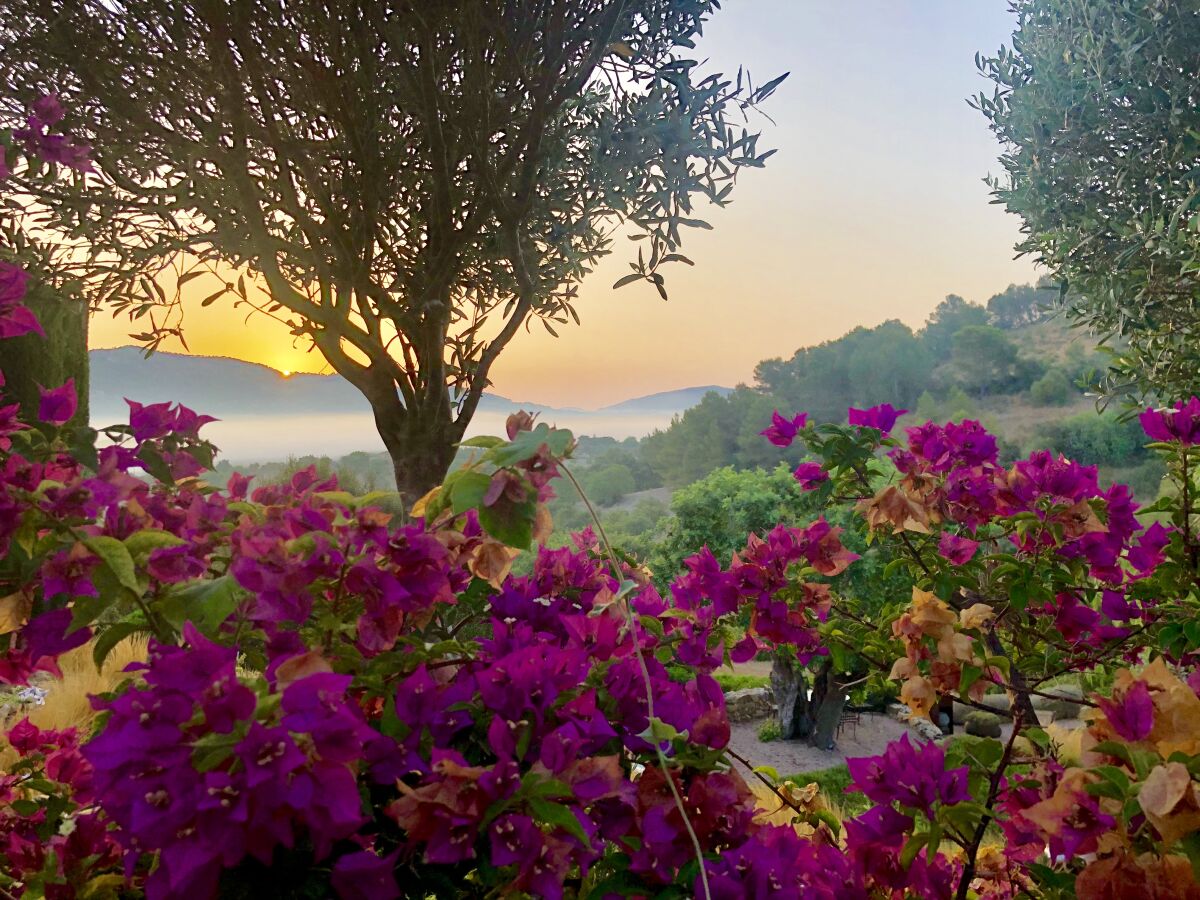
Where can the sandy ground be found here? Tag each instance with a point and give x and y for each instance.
(868, 738)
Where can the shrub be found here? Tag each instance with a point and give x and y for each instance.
(769, 731)
(1053, 389)
(982, 724)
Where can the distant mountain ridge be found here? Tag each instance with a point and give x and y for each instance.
(666, 401)
(221, 386)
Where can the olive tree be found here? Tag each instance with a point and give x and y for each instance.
(411, 182)
(1096, 107)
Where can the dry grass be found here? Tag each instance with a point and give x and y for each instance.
(810, 797)
(67, 704)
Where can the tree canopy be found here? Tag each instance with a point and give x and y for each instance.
(1095, 107)
(413, 183)
(887, 363)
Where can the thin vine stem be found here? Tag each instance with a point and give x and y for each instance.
(641, 659)
(972, 852)
(733, 754)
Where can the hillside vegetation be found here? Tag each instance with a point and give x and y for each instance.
(1010, 364)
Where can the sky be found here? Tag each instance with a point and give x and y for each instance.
(873, 208)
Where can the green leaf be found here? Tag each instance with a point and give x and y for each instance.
(341, 498)
(486, 441)
(970, 674)
(1191, 847)
(111, 636)
(206, 603)
(374, 497)
(557, 814)
(535, 784)
(987, 752)
(468, 491)
(117, 560)
(659, 731)
(832, 822)
(140, 543)
(85, 610)
(912, 847)
(527, 444)
(1038, 736)
(509, 522)
(652, 625)
(1114, 775)
(1114, 748)
(153, 462)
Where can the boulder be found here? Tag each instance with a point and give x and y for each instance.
(1064, 702)
(961, 711)
(748, 704)
(982, 724)
(899, 711)
(925, 729)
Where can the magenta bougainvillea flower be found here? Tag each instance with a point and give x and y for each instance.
(14, 282)
(1132, 716)
(48, 110)
(915, 777)
(782, 431)
(56, 406)
(366, 876)
(809, 475)
(883, 417)
(956, 548)
(16, 319)
(1179, 425)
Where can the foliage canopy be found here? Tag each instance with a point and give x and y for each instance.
(412, 182)
(1095, 107)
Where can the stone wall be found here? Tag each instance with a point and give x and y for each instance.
(750, 704)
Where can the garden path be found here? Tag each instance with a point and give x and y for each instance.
(869, 738)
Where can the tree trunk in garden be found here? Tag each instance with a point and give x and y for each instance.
(789, 684)
(829, 700)
(31, 361)
(799, 715)
(418, 448)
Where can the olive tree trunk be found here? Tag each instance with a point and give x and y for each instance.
(801, 716)
(420, 442)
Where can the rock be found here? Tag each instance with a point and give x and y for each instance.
(925, 729)
(899, 711)
(1064, 703)
(749, 704)
(982, 724)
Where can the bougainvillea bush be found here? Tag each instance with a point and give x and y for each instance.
(336, 702)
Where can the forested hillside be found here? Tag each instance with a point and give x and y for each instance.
(1010, 364)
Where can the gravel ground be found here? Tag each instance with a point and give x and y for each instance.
(868, 738)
